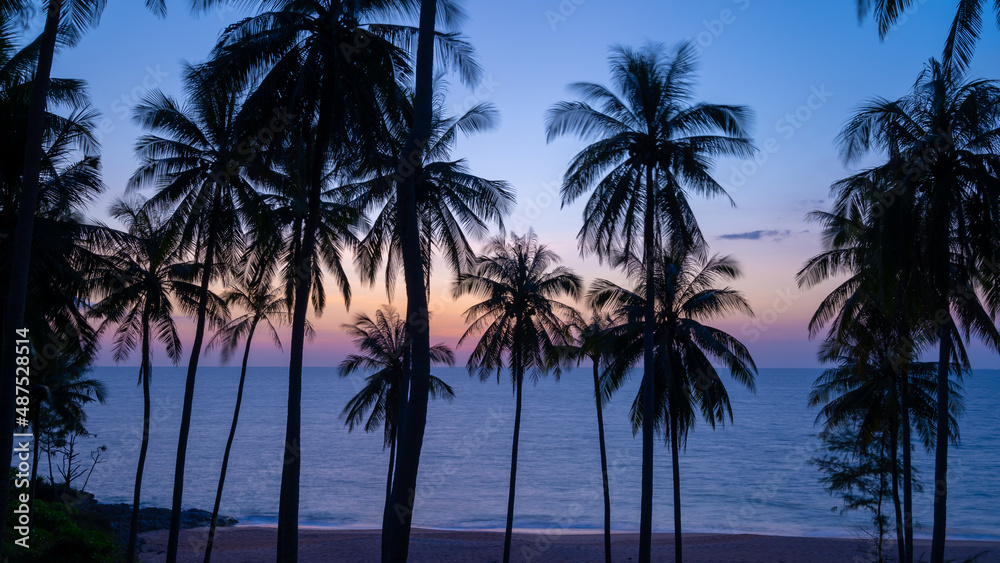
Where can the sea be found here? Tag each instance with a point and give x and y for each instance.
(753, 475)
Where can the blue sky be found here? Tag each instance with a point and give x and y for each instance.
(801, 66)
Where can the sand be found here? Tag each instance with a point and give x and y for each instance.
(251, 544)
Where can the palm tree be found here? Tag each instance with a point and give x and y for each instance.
(594, 344)
(940, 141)
(652, 146)
(520, 323)
(452, 204)
(381, 342)
(339, 74)
(686, 296)
(196, 158)
(872, 315)
(134, 289)
(864, 393)
(65, 23)
(962, 35)
(261, 305)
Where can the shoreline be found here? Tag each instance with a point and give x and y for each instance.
(252, 543)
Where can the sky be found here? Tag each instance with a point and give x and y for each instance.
(802, 67)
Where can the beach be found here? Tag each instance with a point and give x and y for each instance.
(252, 544)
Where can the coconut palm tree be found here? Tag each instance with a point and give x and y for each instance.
(262, 308)
(196, 157)
(136, 289)
(453, 205)
(687, 295)
(652, 145)
(593, 343)
(339, 72)
(65, 23)
(940, 141)
(381, 343)
(864, 393)
(519, 323)
(962, 35)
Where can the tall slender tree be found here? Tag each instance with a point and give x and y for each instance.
(196, 159)
(593, 343)
(520, 324)
(339, 71)
(686, 382)
(137, 287)
(65, 23)
(381, 342)
(261, 307)
(940, 142)
(652, 145)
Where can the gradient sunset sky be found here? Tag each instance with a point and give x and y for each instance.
(801, 66)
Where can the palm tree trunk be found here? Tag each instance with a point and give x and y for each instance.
(646, 506)
(396, 533)
(675, 458)
(941, 448)
(23, 235)
(904, 397)
(604, 464)
(388, 477)
(508, 532)
(288, 501)
(182, 438)
(894, 469)
(145, 373)
(229, 444)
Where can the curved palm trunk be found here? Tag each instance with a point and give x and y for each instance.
(894, 470)
(508, 532)
(396, 532)
(229, 445)
(941, 448)
(904, 397)
(182, 439)
(675, 458)
(288, 502)
(23, 234)
(145, 373)
(646, 507)
(604, 465)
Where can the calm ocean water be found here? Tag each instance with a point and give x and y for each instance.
(751, 476)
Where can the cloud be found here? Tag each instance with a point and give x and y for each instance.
(758, 235)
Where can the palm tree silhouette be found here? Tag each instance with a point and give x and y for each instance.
(134, 290)
(940, 140)
(593, 343)
(65, 23)
(452, 203)
(381, 343)
(686, 296)
(297, 58)
(652, 146)
(963, 34)
(261, 306)
(519, 322)
(193, 158)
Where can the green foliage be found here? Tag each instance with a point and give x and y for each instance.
(861, 477)
(58, 533)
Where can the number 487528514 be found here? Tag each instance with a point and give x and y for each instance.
(22, 360)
